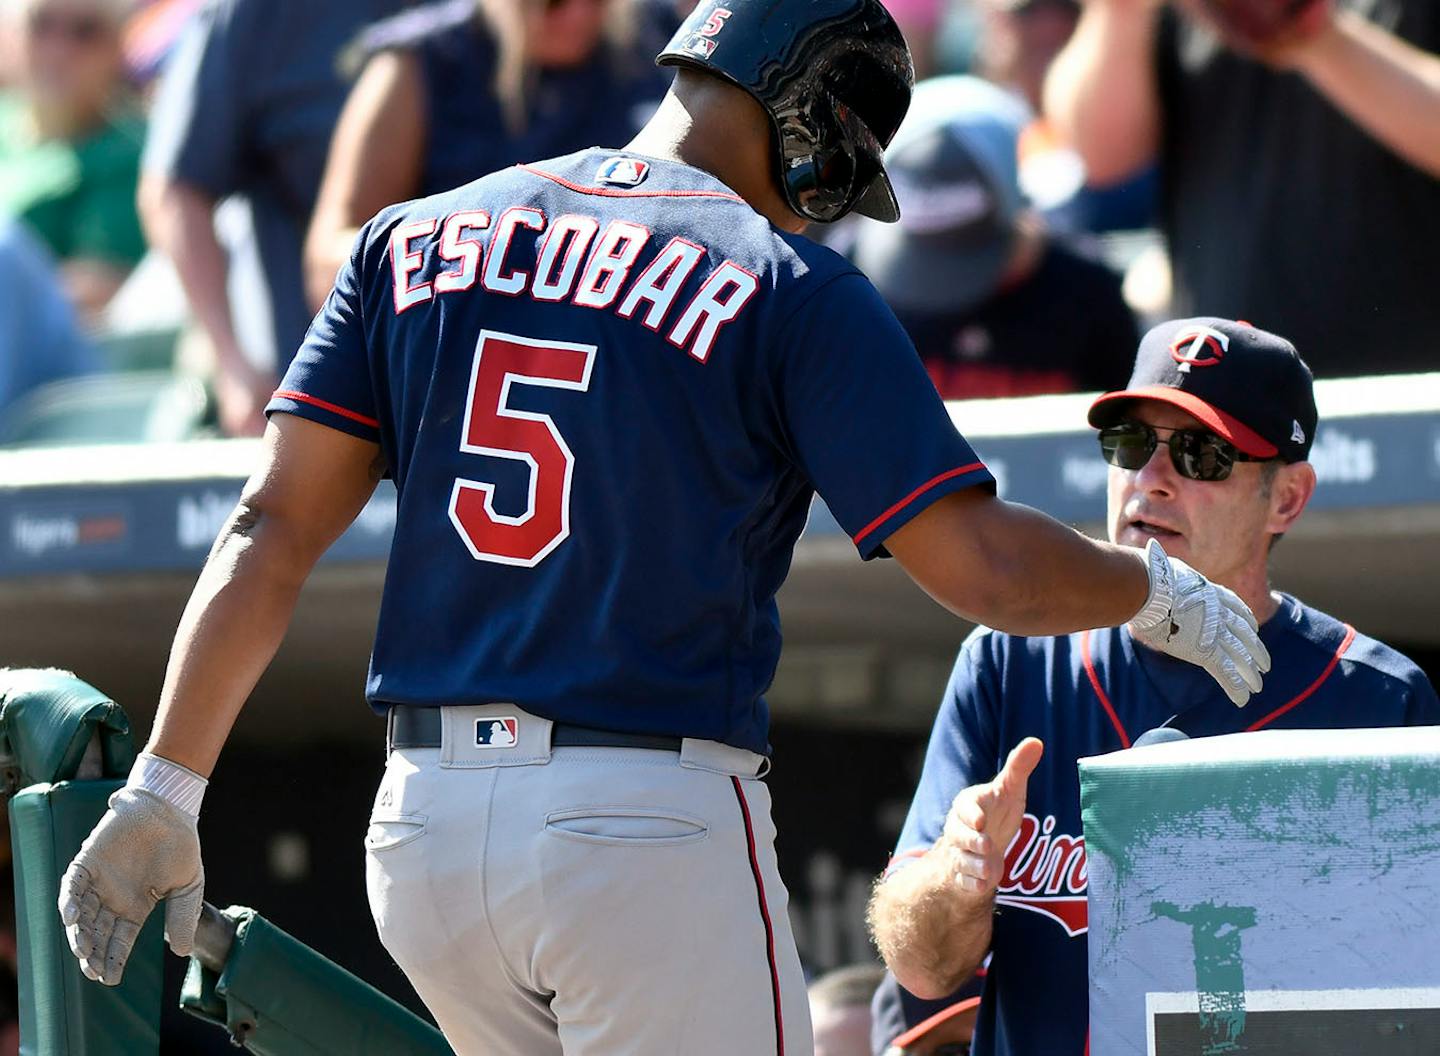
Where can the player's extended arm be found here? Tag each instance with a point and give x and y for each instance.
(311, 483)
(1016, 570)
(376, 159)
(1387, 86)
(1101, 92)
(932, 918)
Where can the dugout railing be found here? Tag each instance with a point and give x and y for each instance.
(64, 748)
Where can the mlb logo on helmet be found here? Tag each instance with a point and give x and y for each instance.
(503, 732)
(698, 45)
(625, 172)
(1199, 346)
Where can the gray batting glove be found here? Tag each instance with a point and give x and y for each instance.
(145, 848)
(1193, 619)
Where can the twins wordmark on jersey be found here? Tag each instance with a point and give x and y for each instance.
(1045, 873)
(567, 270)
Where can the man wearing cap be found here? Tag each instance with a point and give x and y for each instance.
(1207, 447)
(994, 305)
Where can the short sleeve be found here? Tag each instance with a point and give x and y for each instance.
(329, 381)
(964, 745)
(196, 129)
(1424, 709)
(863, 418)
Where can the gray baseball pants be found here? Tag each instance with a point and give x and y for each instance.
(585, 901)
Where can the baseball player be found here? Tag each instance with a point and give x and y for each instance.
(607, 386)
(1207, 448)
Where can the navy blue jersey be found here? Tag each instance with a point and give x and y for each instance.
(1091, 693)
(607, 390)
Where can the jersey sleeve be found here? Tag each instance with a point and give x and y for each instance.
(864, 421)
(963, 749)
(330, 381)
(1424, 708)
(196, 125)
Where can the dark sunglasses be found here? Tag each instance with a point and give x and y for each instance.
(78, 29)
(1195, 453)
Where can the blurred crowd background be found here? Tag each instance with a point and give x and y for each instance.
(179, 181)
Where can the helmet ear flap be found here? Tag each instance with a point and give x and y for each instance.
(818, 163)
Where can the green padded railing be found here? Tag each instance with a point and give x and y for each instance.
(64, 748)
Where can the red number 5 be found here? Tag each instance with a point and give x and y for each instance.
(494, 428)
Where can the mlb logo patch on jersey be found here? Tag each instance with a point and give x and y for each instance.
(623, 172)
(503, 732)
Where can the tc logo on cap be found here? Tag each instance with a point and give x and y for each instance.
(1198, 346)
(497, 733)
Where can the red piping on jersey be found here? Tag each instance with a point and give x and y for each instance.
(326, 405)
(765, 916)
(1329, 668)
(615, 192)
(1099, 690)
(908, 499)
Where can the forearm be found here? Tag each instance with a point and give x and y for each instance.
(230, 630)
(931, 933)
(179, 220)
(1016, 570)
(1388, 87)
(1101, 91)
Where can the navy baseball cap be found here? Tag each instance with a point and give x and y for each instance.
(1245, 384)
(954, 168)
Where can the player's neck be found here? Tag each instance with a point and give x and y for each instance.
(723, 139)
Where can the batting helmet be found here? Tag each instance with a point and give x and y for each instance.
(835, 76)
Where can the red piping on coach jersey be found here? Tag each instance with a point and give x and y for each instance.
(1329, 669)
(326, 405)
(1099, 690)
(908, 499)
(764, 915)
(615, 192)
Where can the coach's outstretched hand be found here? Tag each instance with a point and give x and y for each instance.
(1193, 619)
(144, 849)
(984, 819)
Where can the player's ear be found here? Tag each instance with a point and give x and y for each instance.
(1290, 491)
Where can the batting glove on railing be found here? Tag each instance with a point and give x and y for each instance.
(145, 848)
(1193, 619)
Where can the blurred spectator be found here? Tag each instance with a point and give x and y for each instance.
(921, 22)
(840, 1009)
(906, 1025)
(245, 110)
(39, 338)
(152, 33)
(994, 305)
(1019, 40)
(1284, 164)
(522, 79)
(70, 141)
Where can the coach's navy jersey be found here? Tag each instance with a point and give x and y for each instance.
(1091, 693)
(607, 389)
